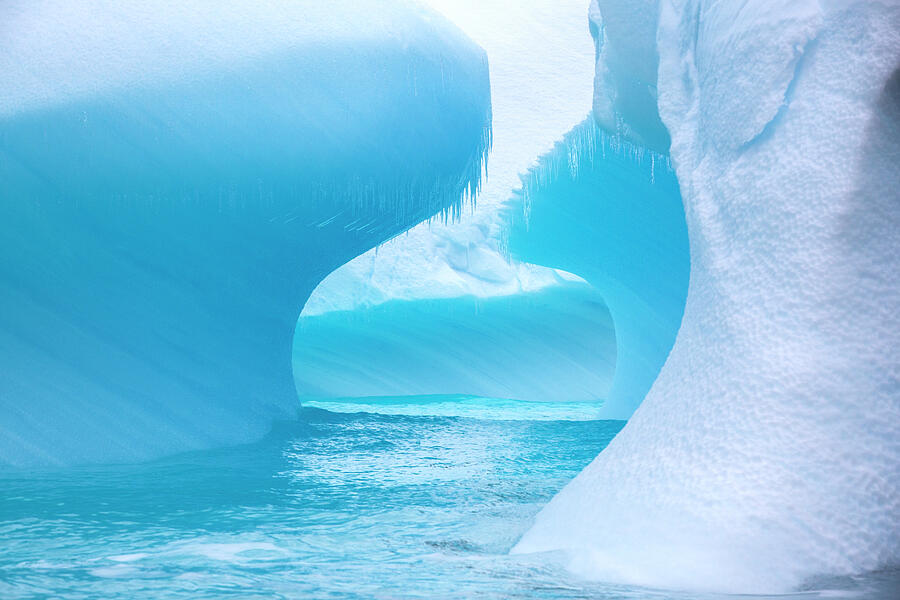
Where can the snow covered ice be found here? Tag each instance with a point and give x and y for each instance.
(767, 451)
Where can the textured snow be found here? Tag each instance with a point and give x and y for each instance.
(176, 181)
(768, 451)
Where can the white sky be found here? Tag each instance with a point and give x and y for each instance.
(542, 71)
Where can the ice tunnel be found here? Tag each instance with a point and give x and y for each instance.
(488, 306)
(173, 185)
(598, 207)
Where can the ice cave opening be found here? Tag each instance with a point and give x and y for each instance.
(604, 217)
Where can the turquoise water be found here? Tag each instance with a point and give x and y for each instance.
(421, 503)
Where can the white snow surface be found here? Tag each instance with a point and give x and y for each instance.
(85, 50)
(540, 58)
(768, 451)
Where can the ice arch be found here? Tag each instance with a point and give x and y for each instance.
(440, 309)
(610, 211)
(176, 182)
(768, 450)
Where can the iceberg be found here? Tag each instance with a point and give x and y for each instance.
(714, 252)
(767, 452)
(176, 182)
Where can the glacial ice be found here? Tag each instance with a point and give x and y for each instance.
(597, 207)
(767, 452)
(455, 278)
(550, 344)
(176, 182)
(610, 212)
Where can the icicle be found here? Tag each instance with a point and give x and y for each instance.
(579, 149)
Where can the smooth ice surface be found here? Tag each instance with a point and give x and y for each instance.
(556, 343)
(176, 181)
(541, 68)
(768, 451)
(610, 211)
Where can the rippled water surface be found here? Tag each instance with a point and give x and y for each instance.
(417, 503)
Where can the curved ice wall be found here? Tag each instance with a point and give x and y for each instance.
(440, 309)
(610, 212)
(174, 184)
(768, 451)
(549, 344)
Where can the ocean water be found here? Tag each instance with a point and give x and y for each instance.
(372, 498)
